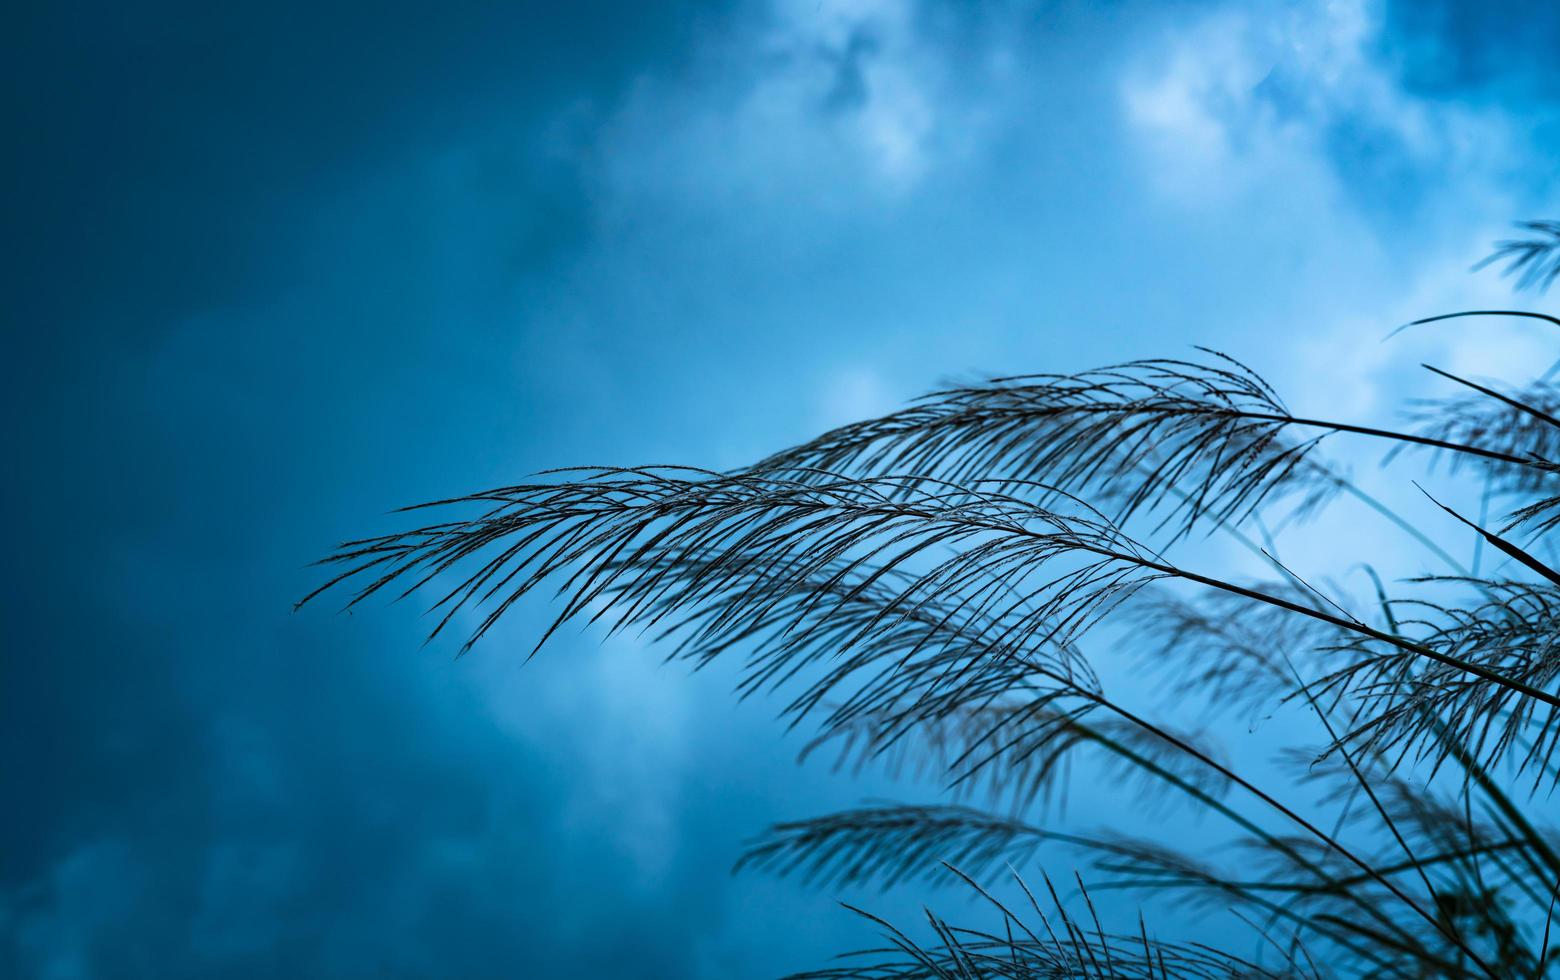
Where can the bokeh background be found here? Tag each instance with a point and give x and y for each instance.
(274, 269)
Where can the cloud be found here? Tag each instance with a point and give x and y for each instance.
(1245, 98)
(826, 102)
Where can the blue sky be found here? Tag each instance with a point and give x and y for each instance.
(275, 269)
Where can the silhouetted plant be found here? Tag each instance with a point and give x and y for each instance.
(920, 585)
(1534, 259)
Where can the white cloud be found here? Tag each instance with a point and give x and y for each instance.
(873, 45)
(841, 98)
(1250, 95)
(1254, 113)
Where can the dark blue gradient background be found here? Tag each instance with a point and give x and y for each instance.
(273, 269)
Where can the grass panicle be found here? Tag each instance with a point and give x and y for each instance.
(924, 592)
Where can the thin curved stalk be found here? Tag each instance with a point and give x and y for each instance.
(1350, 625)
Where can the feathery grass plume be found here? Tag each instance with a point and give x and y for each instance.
(1523, 423)
(1198, 441)
(1220, 646)
(923, 590)
(1537, 517)
(1021, 752)
(1035, 946)
(1427, 709)
(1534, 260)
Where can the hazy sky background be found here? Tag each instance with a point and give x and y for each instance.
(273, 269)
